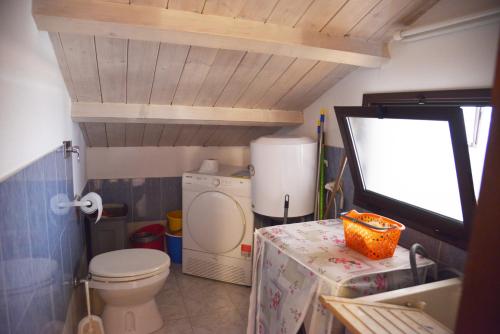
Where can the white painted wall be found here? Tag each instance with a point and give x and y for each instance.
(464, 59)
(451, 9)
(139, 162)
(34, 104)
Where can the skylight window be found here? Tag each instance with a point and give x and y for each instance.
(418, 159)
(408, 160)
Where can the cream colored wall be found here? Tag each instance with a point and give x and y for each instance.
(139, 162)
(464, 59)
(34, 104)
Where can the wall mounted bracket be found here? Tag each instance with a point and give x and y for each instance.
(69, 148)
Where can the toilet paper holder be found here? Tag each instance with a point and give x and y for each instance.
(88, 204)
(76, 202)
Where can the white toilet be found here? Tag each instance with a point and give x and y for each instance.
(128, 281)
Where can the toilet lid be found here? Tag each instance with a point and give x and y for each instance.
(129, 262)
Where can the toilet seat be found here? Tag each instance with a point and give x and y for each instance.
(104, 283)
(128, 265)
(126, 279)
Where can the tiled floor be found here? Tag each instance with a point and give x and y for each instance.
(194, 305)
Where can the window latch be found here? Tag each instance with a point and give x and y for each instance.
(380, 111)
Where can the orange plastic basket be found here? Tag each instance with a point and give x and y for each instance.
(371, 242)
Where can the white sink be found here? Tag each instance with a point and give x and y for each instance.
(441, 299)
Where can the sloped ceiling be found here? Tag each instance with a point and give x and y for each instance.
(112, 70)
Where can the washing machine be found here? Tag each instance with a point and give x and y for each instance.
(217, 225)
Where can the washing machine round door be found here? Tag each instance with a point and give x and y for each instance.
(216, 222)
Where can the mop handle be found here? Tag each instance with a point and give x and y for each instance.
(285, 213)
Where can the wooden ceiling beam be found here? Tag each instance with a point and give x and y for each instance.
(183, 27)
(89, 112)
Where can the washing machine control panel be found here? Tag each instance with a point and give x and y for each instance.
(210, 181)
(221, 183)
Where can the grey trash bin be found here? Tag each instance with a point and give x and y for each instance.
(110, 233)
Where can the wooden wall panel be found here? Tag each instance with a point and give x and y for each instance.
(220, 135)
(293, 98)
(203, 135)
(220, 72)
(96, 133)
(134, 134)
(233, 136)
(319, 14)
(169, 135)
(171, 59)
(243, 139)
(142, 57)
(223, 7)
(347, 17)
(186, 134)
(265, 79)
(112, 66)
(115, 134)
(225, 61)
(195, 71)
(246, 136)
(188, 5)
(152, 134)
(153, 3)
(337, 74)
(249, 67)
(82, 64)
(257, 10)
(378, 17)
(120, 1)
(288, 12)
(288, 80)
(63, 64)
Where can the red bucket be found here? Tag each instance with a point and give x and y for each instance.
(150, 236)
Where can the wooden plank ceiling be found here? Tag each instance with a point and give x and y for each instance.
(111, 70)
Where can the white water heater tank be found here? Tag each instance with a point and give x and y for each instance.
(281, 166)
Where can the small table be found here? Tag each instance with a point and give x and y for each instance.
(294, 264)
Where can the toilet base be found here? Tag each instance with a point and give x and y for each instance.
(132, 319)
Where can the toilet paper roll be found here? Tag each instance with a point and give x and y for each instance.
(95, 204)
(209, 166)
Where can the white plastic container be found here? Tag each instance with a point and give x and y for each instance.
(281, 166)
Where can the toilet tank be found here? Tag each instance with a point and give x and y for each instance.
(281, 166)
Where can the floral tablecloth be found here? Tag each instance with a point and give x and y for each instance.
(294, 264)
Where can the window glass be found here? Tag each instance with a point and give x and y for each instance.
(408, 160)
(477, 126)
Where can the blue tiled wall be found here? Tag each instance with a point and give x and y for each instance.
(40, 248)
(441, 252)
(147, 199)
